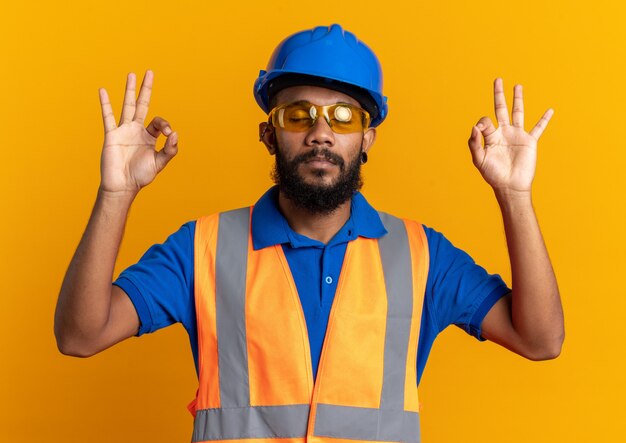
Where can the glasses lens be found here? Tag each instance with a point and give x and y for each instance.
(346, 118)
(297, 117)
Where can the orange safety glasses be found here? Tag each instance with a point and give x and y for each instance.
(343, 118)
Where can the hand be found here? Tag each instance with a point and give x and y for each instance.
(508, 160)
(129, 158)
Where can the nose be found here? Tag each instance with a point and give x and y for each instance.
(320, 133)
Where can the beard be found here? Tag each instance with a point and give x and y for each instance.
(317, 199)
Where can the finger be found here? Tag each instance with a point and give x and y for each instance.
(158, 126)
(107, 112)
(518, 107)
(476, 147)
(168, 152)
(486, 127)
(499, 102)
(128, 110)
(143, 101)
(542, 124)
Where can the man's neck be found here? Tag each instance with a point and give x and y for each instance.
(320, 227)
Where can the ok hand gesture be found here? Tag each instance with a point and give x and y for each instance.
(129, 158)
(508, 160)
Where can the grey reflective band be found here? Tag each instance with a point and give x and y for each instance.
(230, 298)
(251, 422)
(396, 259)
(367, 424)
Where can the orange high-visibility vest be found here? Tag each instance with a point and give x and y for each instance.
(254, 362)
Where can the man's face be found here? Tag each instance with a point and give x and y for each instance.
(318, 169)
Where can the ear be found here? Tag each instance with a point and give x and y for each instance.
(267, 135)
(369, 137)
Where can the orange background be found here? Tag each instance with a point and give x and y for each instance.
(440, 59)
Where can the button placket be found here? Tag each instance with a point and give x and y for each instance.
(327, 286)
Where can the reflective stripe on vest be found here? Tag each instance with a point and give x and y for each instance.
(242, 398)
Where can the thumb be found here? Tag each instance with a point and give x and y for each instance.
(476, 147)
(170, 149)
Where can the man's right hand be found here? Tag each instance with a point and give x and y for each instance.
(130, 160)
(92, 314)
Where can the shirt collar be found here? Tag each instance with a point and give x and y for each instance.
(269, 226)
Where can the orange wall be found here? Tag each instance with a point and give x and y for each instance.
(440, 59)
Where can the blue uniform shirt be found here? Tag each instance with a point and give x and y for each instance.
(458, 291)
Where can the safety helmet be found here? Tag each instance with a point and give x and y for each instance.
(329, 57)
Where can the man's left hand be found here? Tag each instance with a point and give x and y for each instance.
(509, 156)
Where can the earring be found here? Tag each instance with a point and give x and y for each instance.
(363, 158)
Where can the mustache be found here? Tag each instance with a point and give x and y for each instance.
(326, 153)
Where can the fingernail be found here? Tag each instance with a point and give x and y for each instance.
(167, 130)
(479, 126)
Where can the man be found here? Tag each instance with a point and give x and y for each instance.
(310, 315)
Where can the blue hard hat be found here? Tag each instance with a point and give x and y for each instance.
(329, 57)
